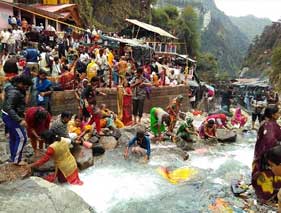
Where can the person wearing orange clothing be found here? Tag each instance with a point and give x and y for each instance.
(66, 169)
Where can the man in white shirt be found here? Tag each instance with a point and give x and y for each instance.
(5, 35)
(18, 36)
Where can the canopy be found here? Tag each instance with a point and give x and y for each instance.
(130, 42)
(151, 28)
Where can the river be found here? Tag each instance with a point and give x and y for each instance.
(115, 185)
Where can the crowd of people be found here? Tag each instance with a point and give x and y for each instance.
(31, 76)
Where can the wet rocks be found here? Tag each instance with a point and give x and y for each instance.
(37, 195)
(10, 172)
(226, 136)
(108, 142)
(47, 167)
(84, 157)
(128, 133)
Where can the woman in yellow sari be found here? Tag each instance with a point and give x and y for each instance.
(66, 169)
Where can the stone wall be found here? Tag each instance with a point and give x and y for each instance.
(160, 96)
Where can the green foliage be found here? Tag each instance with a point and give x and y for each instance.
(86, 12)
(207, 67)
(187, 30)
(161, 18)
(260, 54)
(172, 12)
(275, 74)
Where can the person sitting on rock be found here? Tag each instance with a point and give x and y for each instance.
(157, 119)
(141, 146)
(173, 109)
(186, 130)
(208, 130)
(109, 118)
(38, 120)
(82, 131)
(66, 169)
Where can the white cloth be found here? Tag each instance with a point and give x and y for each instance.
(5, 37)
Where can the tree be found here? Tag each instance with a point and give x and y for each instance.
(172, 12)
(86, 12)
(188, 30)
(207, 67)
(160, 18)
(275, 74)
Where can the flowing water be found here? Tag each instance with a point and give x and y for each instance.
(115, 185)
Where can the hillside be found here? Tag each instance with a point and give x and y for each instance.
(219, 35)
(109, 15)
(250, 25)
(258, 58)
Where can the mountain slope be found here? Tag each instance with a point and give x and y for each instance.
(250, 25)
(219, 35)
(258, 59)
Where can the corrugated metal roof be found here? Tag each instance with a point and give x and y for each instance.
(151, 28)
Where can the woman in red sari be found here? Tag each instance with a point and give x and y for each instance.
(127, 105)
(263, 180)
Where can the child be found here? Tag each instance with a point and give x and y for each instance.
(141, 146)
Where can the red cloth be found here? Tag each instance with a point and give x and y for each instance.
(66, 80)
(95, 118)
(127, 107)
(216, 117)
(71, 179)
(31, 124)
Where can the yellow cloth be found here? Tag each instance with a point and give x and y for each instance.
(177, 176)
(63, 159)
(120, 95)
(110, 58)
(91, 70)
(73, 129)
(118, 123)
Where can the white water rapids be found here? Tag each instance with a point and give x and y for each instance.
(115, 185)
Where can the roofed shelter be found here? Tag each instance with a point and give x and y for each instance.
(151, 28)
(54, 12)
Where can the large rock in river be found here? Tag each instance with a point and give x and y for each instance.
(226, 136)
(84, 157)
(46, 167)
(108, 142)
(37, 195)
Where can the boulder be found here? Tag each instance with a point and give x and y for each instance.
(10, 172)
(127, 133)
(37, 195)
(47, 167)
(226, 136)
(108, 142)
(84, 157)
